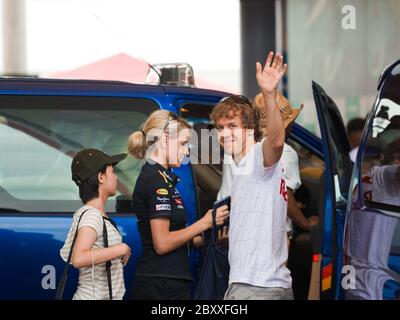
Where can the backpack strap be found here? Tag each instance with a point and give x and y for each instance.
(113, 223)
(63, 280)
(214, 235)
(108, 263)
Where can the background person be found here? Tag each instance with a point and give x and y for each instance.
(355, 129)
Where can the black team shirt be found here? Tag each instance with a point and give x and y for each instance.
(155, 196)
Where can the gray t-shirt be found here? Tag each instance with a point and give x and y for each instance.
(94, 285)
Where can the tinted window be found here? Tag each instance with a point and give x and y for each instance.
(40, 135)
(383, 148)
(205, 148)
(372, 243)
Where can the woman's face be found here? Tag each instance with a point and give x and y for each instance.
(109, 181)
(178, 148)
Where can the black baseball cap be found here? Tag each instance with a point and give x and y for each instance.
(88, 162)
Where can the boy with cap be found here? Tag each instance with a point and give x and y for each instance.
(100, 263)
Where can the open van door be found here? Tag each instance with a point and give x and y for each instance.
(334, 186)
(372, 233)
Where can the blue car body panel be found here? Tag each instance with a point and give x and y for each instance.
(41, 237)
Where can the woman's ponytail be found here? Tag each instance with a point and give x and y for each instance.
(137, 145)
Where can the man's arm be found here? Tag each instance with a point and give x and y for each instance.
(268, 79)
(296, 215)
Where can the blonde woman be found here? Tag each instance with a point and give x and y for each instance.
(163, 269)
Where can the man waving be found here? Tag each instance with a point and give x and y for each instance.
(257, 237)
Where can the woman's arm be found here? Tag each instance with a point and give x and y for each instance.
(82, 256)
(166, 241)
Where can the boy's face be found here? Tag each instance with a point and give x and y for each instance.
(231, 135)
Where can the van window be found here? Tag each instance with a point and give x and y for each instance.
(381, 158)
(205, 148)
(372, 239)
(39, 135)
(206, 155)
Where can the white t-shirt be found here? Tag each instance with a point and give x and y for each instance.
(257, 236)
(370, 234)
(353, 154)
(228, 169)
(93, 218)
(291, 173)
(290, 163)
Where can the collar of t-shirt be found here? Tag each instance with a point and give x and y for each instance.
(243, 163)
(89, 207)
(168, 176)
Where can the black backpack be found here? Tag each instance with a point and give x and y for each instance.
(214, 274)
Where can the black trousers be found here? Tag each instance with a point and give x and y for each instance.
(160, 288)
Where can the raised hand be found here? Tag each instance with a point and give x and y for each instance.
(268, 77)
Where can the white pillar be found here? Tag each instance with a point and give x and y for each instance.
(14, 37)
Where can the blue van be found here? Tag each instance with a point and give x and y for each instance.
(44, 122)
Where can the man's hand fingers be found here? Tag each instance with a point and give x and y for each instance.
(280, 64)
(269, 59)
(277, 59)
(273, 64)
(258, 68)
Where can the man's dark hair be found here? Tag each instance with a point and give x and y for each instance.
(355, 124)
(89, 189)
